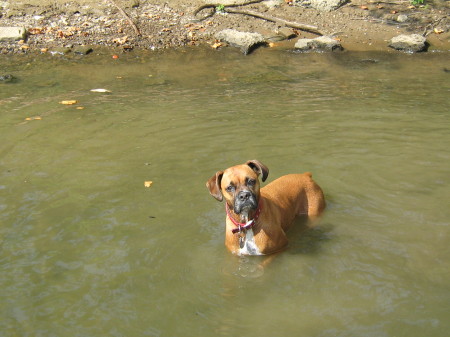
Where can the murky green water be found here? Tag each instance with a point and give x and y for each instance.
(87, 250)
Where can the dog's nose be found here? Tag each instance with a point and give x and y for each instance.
(244, 195)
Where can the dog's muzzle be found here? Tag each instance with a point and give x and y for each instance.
(245, 200)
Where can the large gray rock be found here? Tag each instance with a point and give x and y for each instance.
(322, 43)
(321, 5)
(10, 34)
(409, 43)
(243, 40)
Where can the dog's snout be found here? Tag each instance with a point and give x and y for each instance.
(244, 195)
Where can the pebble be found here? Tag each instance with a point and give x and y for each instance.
(402, 18)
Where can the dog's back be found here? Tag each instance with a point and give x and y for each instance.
(297, 192)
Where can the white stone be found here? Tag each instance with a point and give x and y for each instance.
(246, 41)
(410, 43)
(10, 34)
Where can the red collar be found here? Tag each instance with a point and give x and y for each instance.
(244, 226)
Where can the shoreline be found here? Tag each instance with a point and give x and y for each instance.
(61, 27)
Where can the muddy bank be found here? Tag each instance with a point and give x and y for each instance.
(131, 24)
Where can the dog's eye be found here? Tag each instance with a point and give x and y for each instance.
(251, 182)
(230, 188)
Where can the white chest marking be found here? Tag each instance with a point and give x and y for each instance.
(250, 247)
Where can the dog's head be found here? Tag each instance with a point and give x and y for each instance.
(239, 185)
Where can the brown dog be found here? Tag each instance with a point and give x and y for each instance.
(257, 219)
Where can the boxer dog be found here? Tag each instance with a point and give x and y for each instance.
(258, 218)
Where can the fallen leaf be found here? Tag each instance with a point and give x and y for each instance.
(100, 90)
(148, 183)
(364, 8)
(35, 118)
(69, 102)
(35, 31)
(121, 40)
(80, 107)
(438, 31)
(217, 44)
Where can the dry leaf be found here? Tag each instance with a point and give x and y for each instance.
(121, 40)
(69, 102)
(438, 31)
(35, 31)
(217, 44)
(79, 107)
(364, 8)
(148, 183)
(35, 118)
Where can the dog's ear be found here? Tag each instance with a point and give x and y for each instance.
(259, 168)
(213, 185)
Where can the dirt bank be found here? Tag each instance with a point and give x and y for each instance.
(130, 24)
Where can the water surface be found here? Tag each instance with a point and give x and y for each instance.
(87, 250)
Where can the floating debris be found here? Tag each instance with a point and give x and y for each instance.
(100, 90)
(69, 102)
(35, 118)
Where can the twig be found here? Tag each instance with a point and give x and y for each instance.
(125, 15)
(214, 5)
(296, 25)
(227, 9)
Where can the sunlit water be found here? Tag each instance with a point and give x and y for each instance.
(88, 250)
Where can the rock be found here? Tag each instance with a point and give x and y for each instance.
(402, 18)
(321, 5)
(275, 38)
(244, 40)
(9, 34)
(270, 4)
(287, 32)
(82, 50)
(7, 78)
(409, 43)
(322, 43)
(281, 34)
(60, 50)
